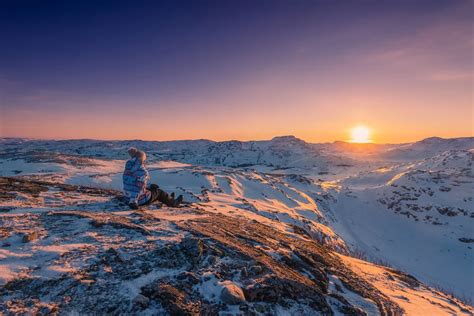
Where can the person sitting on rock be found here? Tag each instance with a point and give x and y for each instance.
(135, 180)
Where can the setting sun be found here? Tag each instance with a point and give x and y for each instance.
(360, 134)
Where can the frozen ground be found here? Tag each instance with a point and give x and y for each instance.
(65, 229)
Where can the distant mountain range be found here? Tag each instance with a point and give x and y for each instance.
(282, 151)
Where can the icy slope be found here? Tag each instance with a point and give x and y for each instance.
(413, 297)
(416, 216)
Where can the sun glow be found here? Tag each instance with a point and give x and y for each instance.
(360, 134)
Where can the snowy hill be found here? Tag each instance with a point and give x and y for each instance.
(280, 152)
(443, 184)
(428, 147)
(413, 214)
(418, 216)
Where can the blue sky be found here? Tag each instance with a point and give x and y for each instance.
(235, 69)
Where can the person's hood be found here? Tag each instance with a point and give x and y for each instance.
(141, 155)
(132, 151)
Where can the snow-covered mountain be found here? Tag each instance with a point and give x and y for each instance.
(411, 212)
(428, 147)
(280, 152)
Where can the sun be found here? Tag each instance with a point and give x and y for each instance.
(360, 134)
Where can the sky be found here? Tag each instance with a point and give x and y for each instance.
(247, 70)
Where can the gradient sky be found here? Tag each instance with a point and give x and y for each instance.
(244, 70)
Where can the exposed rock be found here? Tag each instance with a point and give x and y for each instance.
(193, 248)
(255, 270)
(260, 308)
(287, 279)
(48, 310)
(29, 236)
(113, 255)
(189, 278)
(98, 220)
(232, 294)
(141, 301)
(175, 301)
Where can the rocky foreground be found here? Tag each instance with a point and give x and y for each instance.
(74, 249)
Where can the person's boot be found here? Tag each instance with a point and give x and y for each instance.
(178, 201)
(169, 201)
(162, 197)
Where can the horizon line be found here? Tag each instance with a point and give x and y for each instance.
(229, 140)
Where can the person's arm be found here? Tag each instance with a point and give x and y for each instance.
(129, 182)
(142, 177)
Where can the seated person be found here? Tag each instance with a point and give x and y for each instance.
(135, 180)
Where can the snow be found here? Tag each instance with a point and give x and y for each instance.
(424, 250)
(7, 273)
(9, 167)
(404, 205)
(415, 301)
(132, 287)
(364, 304)
(428, 248)
(210, 288)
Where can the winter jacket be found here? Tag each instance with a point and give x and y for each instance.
(135, 179)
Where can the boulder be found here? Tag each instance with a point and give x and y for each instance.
(231, 293)
(29, 236)
(141, 301)
(255, 270)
